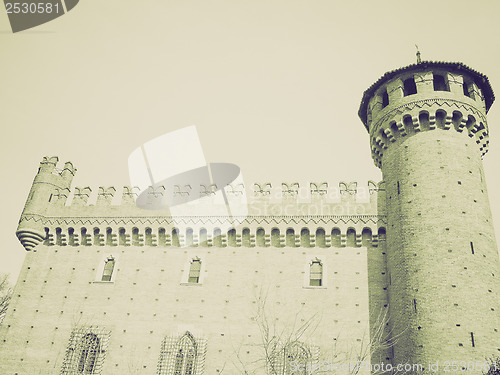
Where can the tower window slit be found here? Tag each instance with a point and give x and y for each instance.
(472, 339)
(472, 247)
(465, 86)
(385, 99)
(415, 304)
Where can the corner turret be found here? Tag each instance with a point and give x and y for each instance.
(50, 184)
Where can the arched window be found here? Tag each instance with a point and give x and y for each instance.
(109, 266)
(293, 359)
(316, 273)
(295, 353)
(122, 237)
(86, 351)
(409, 86)
(89, 354)
(180, 356)
(194, 271)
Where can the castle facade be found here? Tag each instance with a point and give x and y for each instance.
(400, 272)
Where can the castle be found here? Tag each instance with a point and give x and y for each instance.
(404, 272)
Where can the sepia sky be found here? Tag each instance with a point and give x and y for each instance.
(272, 86)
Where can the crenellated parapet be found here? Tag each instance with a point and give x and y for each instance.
(315, 198)
(425, 97)
(83, 216)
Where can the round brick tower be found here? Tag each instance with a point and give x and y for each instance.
(428, 133)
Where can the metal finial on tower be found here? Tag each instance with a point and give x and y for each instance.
(418, 55)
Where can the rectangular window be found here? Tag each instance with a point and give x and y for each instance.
(440, 83)
(385, 99)
(468, 90)
(108, 269)
(194, 271)
(316, 274)
(409, 86)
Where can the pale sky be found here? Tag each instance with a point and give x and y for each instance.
(272, 86)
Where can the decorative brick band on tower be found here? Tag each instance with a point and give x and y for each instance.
(428, 133)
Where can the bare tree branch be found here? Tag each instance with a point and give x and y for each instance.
(5, 295)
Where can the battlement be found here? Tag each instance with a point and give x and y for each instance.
(49, 165)
(257, 194)
(52, 202)
(53, 205)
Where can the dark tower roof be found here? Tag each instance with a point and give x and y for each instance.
(480, 79)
